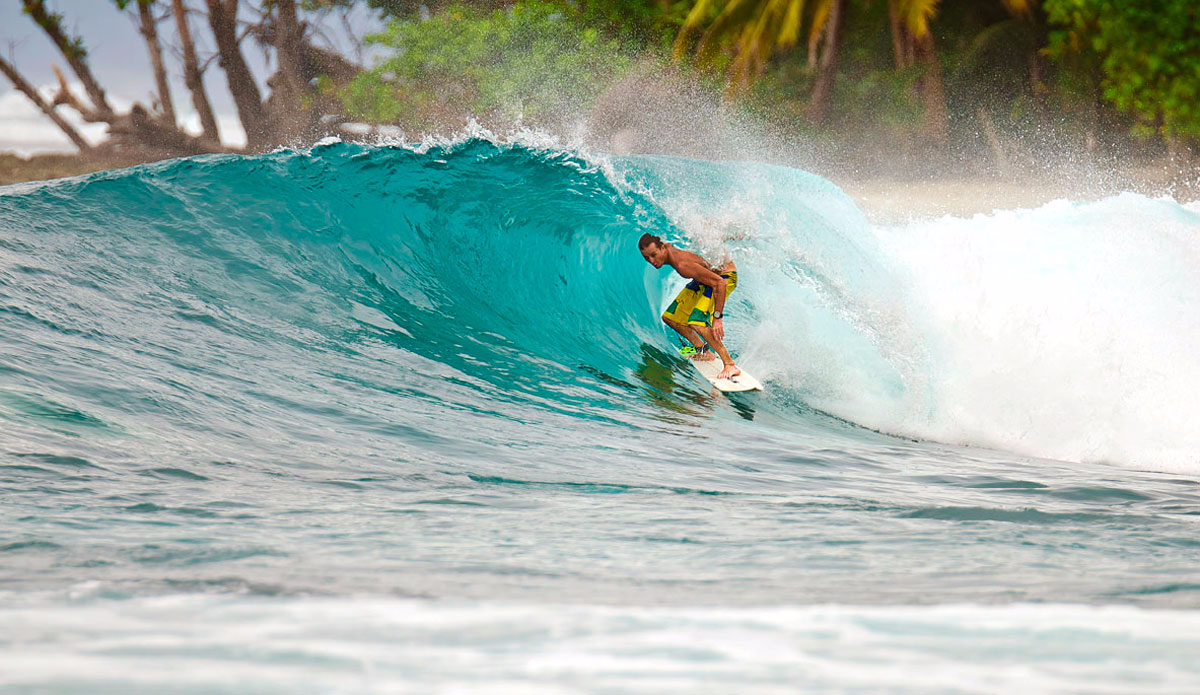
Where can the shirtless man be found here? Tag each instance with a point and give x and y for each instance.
(698, 311)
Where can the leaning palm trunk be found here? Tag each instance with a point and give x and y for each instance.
(149, 30)
(913, 45)
(935, 125)
(822, 95)
(222, 18)
(191, 74)
(290, 106)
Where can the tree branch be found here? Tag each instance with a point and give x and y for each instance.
(140, 126)
(72, 49)
(27, 89)
(65, 96)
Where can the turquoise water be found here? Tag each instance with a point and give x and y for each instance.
(401, 419)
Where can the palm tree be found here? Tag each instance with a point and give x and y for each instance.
(912, 44)
(758, 28)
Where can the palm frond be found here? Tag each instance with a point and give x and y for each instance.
(755, 28)
(917, 13)
(736, 16)
(790, 15)
(820, 16)
(694, 19)
(1018, 7)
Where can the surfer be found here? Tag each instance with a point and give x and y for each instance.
(698, 311)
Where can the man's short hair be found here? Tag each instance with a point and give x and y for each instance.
(648, 239)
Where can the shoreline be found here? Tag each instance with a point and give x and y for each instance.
(894, 201)
(46, 167)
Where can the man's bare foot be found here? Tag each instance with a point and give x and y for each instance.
(704, 356)
(730, 371)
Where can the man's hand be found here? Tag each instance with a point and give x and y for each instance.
(719, 329)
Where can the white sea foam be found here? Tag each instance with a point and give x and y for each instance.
(1069, 331)
(197, 643)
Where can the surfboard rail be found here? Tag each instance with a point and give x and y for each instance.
(742, 382)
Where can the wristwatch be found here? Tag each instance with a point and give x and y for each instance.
(718, 314)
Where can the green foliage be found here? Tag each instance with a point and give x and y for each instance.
(651, 24)
(1147, 53)
(52, 22)
(400, 9)
(529, 62)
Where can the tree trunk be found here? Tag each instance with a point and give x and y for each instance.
(138, 127)
(150, 32)
(191, 73)
(27, 89)
(909, 50)
(289, 114)
(902, 42)
(897, 36)
(1037, 83)
(288, 47)
(73, 52)
(993, 139)
(222, 17)
(822, 94)
(936, 124)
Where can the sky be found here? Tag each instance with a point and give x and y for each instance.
(118, 58)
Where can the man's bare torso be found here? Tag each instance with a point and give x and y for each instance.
(689, 264)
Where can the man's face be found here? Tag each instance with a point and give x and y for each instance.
(655, 254)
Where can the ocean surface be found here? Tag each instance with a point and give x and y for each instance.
(403, 419)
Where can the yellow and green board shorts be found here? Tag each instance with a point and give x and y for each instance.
(694, 305)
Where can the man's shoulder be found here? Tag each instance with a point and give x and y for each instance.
(689, 262)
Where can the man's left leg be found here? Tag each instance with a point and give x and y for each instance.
(730, 369)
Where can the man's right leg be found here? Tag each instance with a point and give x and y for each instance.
(688, 332)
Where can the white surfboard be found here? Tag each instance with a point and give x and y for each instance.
(742, 382)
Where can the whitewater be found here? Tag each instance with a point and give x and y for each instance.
(404, 419)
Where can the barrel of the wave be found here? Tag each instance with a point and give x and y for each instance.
(697, 313)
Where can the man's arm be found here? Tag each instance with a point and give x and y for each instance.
(697, 270)
(706, 276)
